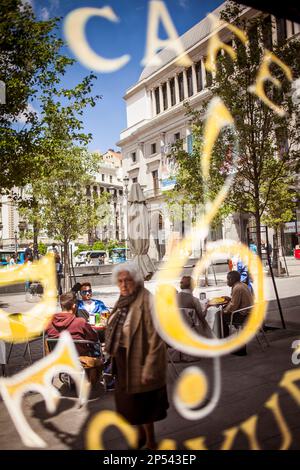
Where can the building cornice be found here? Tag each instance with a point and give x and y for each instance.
(165, 115)
(172, 65)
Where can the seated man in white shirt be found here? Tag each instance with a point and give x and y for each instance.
(88, 307)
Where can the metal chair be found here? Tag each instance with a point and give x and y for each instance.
(170, 360)
(191, 318)
(50, 345)
(239, 323)
(27, 348)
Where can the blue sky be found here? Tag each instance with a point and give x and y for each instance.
(111, 40)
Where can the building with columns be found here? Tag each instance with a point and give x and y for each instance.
(14, 230)
(156, 119)
(110, 179)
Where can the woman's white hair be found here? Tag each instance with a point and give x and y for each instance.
(130, 268)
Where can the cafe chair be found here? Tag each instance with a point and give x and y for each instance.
(237, 321)
(88, 367)
(190, 317)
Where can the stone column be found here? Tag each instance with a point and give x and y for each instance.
(153, 107)
(169, 94)
(203, 71)
(161, 99)
(140, 151)
(185, 85)
(176, 90)
(194, 79)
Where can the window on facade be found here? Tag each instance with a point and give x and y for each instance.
(102, 177)
(120, 192)
(180, 86)
(253, 40)
(134, 180)
(157, 103)
(133, 157)
(160, 222)
(190, 144)
(153, 148)
(208, 79)
(219, 56)
(208, 76)
(176, 136)
(155, 180)
(165, 98)
(281, 30)
(199, 76)
(267, 33)
(189, 77)
(172, 90)
(110, 179)
(292, 28)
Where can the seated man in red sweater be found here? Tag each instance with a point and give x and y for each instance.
(78, 329)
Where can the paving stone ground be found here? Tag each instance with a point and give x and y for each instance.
(247, 383)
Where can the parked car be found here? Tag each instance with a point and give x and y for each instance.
(91, 258)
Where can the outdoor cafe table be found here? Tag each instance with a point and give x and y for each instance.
(220, 306)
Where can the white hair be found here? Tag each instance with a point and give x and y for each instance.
(130, 268)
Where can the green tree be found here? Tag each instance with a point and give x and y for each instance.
(190, 188)
(32, 66)
(268, 144)
(65, 209)
(268, 154)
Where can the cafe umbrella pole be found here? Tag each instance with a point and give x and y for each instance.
(274, 285)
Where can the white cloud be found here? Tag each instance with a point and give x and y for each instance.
(45, 14)
(184, 3)
(22, 119)
(28, 2)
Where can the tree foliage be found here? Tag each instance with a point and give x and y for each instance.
(40, 117)
(64, 207)
(190, 188)
(268, 156)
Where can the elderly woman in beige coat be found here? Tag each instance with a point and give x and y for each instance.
(139, 356)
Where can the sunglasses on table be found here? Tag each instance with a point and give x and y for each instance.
(85, 292)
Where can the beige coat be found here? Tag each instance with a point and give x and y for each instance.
(146, 350)
(241, 297)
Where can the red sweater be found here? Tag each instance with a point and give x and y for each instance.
(77, 327)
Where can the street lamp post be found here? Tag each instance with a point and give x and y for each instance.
(16, 241)
(126, 183)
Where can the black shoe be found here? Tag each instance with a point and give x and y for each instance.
(239, 353)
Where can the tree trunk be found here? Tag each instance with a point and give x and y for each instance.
(35, 241)
(67, 284)
(258, 233)
(277, 253)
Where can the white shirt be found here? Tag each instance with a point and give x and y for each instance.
(89, 305)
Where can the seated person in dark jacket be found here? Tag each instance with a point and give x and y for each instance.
(185, 299)
(77, 327)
